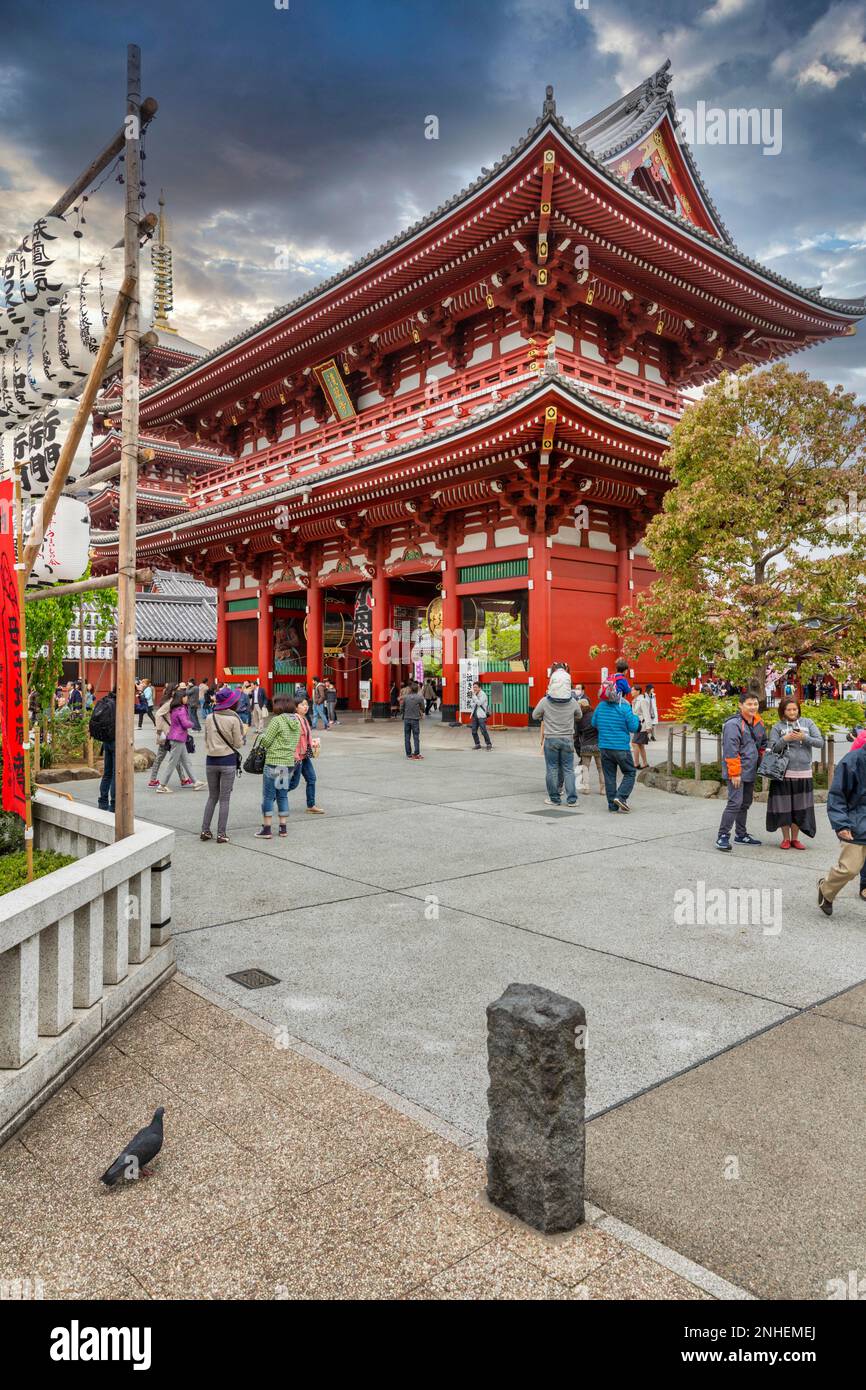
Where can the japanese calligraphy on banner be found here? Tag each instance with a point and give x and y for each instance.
(11, 692)
(330, 378)
(362, 621)
(467, 674)
(36, 446)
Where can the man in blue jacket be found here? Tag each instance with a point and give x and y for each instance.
(846, 809)
(616, 723)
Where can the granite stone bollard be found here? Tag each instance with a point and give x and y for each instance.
(535, 1128)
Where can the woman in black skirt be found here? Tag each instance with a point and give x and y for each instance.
(791, 803)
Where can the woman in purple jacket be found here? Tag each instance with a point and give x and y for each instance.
(179, 726)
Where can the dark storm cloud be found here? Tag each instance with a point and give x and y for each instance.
(292, 141)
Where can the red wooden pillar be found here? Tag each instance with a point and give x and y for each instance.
(315, 625)
(540, 655)
(222, 639)
(621, 534)
(381, 704)
(452, 636)
(265, 653)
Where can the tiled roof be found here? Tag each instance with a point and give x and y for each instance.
(171, 584)
(634, 115)
(175, 620)
(655, 85)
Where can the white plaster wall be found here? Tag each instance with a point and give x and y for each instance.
(640, 549)
(477, 541)
(569, 535)
(511, 341)
(630, 365)
(309, 423)
(410, 383)
(371, 397)
(481, 354)
(564, 340)
(599, 540)
(590, 350)
(652, 373)
(508, 535)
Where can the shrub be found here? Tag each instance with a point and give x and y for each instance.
(708, 713)
(13, 867)
(11, 832)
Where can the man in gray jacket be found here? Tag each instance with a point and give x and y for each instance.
(557, 708)
(413, 708)
(744, 739)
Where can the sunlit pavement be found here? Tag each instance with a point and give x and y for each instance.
(392, 921)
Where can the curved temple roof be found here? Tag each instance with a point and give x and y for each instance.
(595, 141)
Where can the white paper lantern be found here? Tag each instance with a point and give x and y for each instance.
(23, 392)
(64, 552)
(52, 254)
(64, 377)
(37, 448)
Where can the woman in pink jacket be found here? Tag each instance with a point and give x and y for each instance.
(179, 726)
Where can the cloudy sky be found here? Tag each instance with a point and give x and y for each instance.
(292, 140)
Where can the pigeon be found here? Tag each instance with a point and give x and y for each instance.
(140, 1150)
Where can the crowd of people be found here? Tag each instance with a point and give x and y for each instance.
(612, 736)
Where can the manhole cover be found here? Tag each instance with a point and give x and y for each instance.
(551, 811)
(253, 979)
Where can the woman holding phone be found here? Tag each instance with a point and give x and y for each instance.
(791, 802)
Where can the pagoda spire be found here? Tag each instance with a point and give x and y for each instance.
(163, 279)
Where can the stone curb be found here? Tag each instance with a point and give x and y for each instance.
(687, 786)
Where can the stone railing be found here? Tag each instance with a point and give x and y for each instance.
(79, 948)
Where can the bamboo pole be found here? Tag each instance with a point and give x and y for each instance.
(149, 109)
(670, 767)
(124, 745)
(85, 586)
(73, 439)
(112, 470)
(697, 755)
(25, 701)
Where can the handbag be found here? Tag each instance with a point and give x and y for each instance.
(774, 765)
(190, 743)
(254, 762)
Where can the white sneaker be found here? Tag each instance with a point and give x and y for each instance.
(163, 791)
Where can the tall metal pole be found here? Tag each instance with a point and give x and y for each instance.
(126, 643)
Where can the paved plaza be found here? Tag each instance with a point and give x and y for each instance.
(725, 1058)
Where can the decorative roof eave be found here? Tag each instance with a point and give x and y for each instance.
(550, 382)
(108, 448)
(548, 123)
(652, 100)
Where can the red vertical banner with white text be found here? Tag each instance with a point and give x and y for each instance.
(11, 690)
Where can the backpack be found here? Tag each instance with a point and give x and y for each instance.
(609, 691)
(101, 725)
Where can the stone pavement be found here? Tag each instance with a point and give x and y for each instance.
(393, 921)
(278, 1179)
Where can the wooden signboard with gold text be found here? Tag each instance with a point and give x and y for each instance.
(330, 378)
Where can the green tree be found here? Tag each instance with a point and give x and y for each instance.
(761, 544)
(49, 622)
